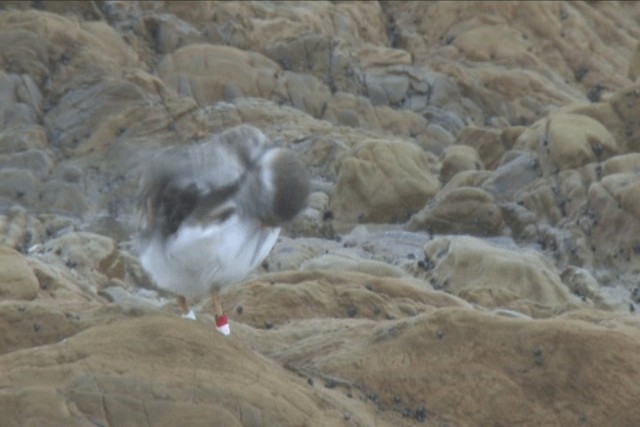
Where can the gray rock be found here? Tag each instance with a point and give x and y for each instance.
(39, 162)
(19, 186)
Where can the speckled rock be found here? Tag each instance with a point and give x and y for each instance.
(465, 210)
(495, 51)
(95, 257)
(507, 361)
(567, 141)
(332, 294)
(615, 204)
(471, 268)
(19, 230)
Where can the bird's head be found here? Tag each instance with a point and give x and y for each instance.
(279, 187)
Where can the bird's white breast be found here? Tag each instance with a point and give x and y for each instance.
(197, 259)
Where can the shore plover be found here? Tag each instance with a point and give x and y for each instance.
(210, 213)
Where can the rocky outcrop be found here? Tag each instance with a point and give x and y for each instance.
(469, 254)
(383, 182)
(17, 281)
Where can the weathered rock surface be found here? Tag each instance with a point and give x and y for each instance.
(469, 254)
(17, 281)
(497, 276)
(383, 182)
(423, 367)
(467, 210)
(186, 375)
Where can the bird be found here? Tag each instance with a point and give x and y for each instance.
(209, 213)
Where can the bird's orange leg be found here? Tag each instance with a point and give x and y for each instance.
(182, 304)
(184, 308)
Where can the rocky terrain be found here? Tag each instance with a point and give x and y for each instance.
(470, 255)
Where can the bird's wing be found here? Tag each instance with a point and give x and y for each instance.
(187, 184)
(197, 182)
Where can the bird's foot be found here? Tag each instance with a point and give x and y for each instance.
(190, 315)
(222, 325)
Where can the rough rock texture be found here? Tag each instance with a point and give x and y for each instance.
(469, 256)
(468, 210)
(494, 276)
(412, 367)
(383, 182)
(17, 281)
(119, 379)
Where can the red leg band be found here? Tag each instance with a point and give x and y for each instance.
(221, 321)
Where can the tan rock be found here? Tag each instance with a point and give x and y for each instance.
(557, 214)
(386, 89)
(33, 40)
(57, 282)
(495, 45)
(282, 122)
(468, 178)
(210, 73)
(462, 210)
(369, 96)
(264, 24)
(95, 257)
(615, 203)
(353, 22)
(486, 142)
(576, 140)
(278, 298)
(19, 230)
(616, 115)
(33, 324)
(384, 181)
(403, 123)
(622, 164)
(375, 57)
(78, 8)
(347, 109)
(458, 158)
(634, 63)
(541, 197)
(307, 52)
(307, 93)
(498, 276)
(605, 114)
(141, 364)
(582, 283)
(348, 262)
(501, 368)
(490, 144)
(567, 141)
(17, 281)
(626, 104)
(89, 118)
